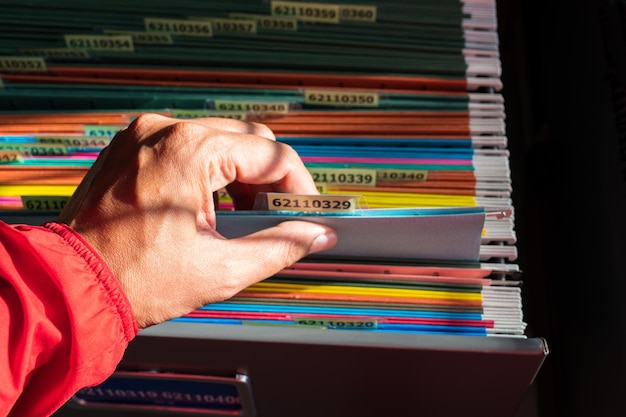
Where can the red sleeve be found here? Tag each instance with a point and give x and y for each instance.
(64, 320)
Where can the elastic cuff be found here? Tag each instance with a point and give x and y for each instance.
(102, 273)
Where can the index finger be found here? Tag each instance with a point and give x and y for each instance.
(232, 150)
(150, 123)
(251, 159)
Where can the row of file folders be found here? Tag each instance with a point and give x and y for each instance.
(394, 102)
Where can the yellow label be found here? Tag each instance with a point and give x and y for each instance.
(353, 12)
(311, 203)
(75, 141)
(309, 12)
(22, 64)
(45, 203)
(339, 323)
(263, 107)
(270, 22)
(56, 52)
(192, 114)
(144, 38)
(344, 176)
(102, 130)
(341, 98)
(118, 43)
(239, 26)
(179, 26)
(35, 149)
(10, 156)
(401, 175)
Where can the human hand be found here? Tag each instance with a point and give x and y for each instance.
(146, 206)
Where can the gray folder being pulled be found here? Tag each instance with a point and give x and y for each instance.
(450, 234)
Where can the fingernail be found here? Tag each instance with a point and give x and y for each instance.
(323, 242)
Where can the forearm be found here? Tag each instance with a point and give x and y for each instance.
(65, 321)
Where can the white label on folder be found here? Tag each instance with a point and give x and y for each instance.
(311, 12)
(193, 114)
(144, 38)
(47, 203)
(269, 22)
(311, 203)
(10, 156)
(357, 13)
(179, 26)
(118, 43)
(234, 25)
(339, 323)
(344, 176)
(35, 149)
(262, 107)
(102, 130)
(401, 175)
(22, 64)
(75, 141)
(56, 52)
(341, 98)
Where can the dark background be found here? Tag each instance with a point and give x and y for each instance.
(564, 76)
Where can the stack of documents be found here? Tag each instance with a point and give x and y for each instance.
(397, 102)
(376, 297)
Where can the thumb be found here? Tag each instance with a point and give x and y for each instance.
(189, 279)
(268, 251)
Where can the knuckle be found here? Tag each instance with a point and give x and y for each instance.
(184, 129)
(180, 135)
(290, 154)
(262, 130)
(144, 121)
(144, 126)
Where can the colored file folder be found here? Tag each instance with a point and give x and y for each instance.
(383, 234)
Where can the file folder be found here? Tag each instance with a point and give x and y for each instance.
(456, 346)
